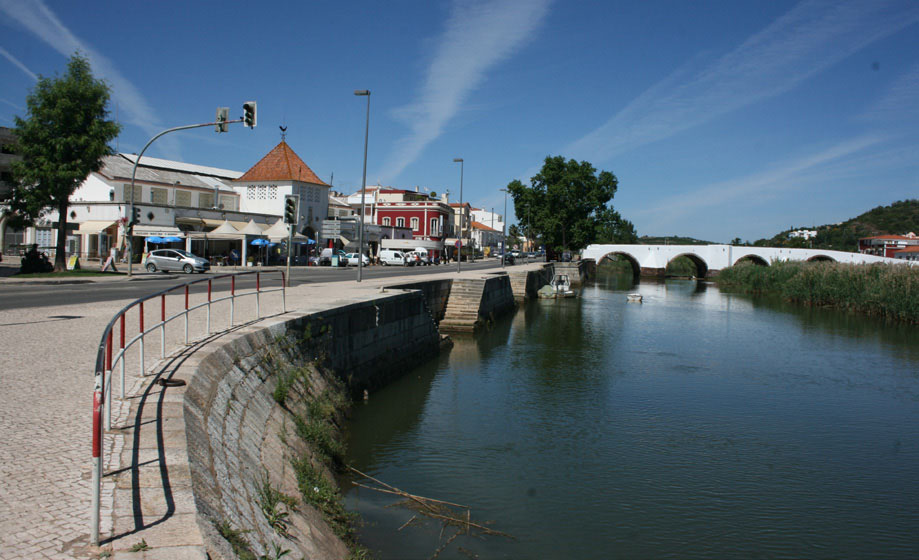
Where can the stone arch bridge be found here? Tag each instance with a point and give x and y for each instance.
(652, 260)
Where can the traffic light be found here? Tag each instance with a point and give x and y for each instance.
(135, 216)
(249, 114)
(223, 115)
(290, 209)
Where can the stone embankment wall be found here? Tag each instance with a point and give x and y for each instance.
(246, 403)
(436, 293)
(578, 271)
(526, 283)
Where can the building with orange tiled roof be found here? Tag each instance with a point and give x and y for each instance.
(886, 245)
(911, 253)
(281, 172)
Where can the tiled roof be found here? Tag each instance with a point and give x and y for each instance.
(897, 237)
(282, 164)
(910, 249)
(479, 225)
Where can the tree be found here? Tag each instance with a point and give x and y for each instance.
(566, 205)
(62, 141)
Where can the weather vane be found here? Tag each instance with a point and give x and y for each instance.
(283, 133)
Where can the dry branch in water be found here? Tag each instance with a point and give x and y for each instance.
(445, 512)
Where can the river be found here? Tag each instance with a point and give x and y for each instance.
(697, 424)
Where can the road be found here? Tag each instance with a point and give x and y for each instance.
(20, 296)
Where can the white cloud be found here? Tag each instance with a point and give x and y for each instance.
(37, 18)
(478, 36)
(808, 39)
(814, 168)
(18, 64)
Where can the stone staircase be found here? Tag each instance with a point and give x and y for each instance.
(465, 300)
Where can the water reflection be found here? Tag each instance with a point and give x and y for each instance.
(696, 424)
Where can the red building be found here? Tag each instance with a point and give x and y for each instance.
(429, 218)
(886, 245)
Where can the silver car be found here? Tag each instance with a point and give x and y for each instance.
(175, 259)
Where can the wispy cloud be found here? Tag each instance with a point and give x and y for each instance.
(37, 18)
(18, 64)
(811, 37)
(478, 36)
(782, 176)
(13, 105)
(899, 103)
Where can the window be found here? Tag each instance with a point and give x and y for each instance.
(400, 222)
(45, 238)
(414, 224)
(434, 229)
(183, 198)
(158, 196)
(386, 221)
(138, 193)
(250, 192)
(205, 200)
(229, 202)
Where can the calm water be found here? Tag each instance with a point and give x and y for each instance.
(697, 424)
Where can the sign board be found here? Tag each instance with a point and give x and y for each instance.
(458, 242)
(73, 262)
(331, 229)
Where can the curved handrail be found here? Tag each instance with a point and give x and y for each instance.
(102, 392)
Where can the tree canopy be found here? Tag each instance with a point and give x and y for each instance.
(566, 205)
(63, 140)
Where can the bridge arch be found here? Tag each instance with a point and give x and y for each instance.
(701, 265)
(751, 258)
(633, 262)
(821, 258)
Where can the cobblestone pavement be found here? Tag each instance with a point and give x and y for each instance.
(45, 405)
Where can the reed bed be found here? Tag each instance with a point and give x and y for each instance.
(890, 291)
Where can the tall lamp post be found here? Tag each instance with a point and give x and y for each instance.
(504, 228)
(360, 224)
(459, 256)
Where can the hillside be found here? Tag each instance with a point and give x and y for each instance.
(899, 218)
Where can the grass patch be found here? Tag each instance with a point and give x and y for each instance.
(237, 542)
(890, 291)
(270, 500)
(325, 497)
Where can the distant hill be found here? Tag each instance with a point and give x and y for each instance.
(899, 218)
(671, 240)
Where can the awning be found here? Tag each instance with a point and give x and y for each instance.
(94, 226)
(211, 222)
(192, 221)
(160, 231)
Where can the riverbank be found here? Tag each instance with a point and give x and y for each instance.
(881, 290)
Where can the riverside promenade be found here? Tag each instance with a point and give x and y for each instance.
(47, 356)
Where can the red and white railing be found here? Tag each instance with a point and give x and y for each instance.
(110, 357)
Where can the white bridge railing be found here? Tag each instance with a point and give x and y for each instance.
(110, 358)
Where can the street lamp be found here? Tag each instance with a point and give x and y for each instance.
(360, 224)
(504, 228)
(459, 256)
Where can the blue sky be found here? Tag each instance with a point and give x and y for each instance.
(721, 119)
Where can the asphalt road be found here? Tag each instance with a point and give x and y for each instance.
(23, 296)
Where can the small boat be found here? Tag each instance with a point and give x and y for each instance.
(634, 298)
(559, 287)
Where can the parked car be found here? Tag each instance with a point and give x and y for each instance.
(352, 259)
(509, 259)
(391, 257)
(325, 258)
(418, 258)
(175, 259)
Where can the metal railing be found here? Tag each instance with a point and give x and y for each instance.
(108, 357)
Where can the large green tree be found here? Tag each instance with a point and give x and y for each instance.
(62, 141)
(566, 204)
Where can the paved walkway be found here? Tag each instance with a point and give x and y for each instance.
(46, 363)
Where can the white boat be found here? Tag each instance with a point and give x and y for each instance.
(562, 286)
(635, 298)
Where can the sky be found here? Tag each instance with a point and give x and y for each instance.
(721, 119)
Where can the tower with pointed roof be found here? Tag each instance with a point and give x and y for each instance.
(280, 173)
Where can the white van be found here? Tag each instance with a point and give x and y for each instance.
(392, 257)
